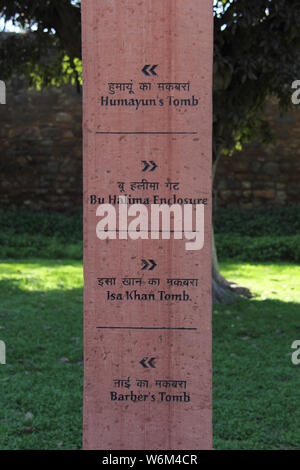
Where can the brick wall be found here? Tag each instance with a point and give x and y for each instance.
(41, 148)
(259, 176)
(41, 151)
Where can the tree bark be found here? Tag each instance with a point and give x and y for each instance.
(224, 291)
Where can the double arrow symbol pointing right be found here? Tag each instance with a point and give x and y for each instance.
(148, 263)
(148, 165)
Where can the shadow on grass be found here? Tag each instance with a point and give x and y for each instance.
(41, 399)
(256, 388)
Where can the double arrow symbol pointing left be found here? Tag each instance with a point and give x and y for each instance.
(145, 363)
(151, 71)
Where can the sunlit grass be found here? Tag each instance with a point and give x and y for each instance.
(269, 281)
(41, 313)
(256, 388)
(35, 275)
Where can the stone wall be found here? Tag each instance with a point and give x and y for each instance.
(258, 175)
(41, 151)
(41, 148)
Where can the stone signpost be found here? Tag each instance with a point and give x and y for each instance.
(147, 223)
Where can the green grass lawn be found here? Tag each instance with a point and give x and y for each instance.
(256, 386)
(41, 324)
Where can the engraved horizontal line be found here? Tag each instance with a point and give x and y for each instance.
(152, 231)
(143, 328)
(148, 133)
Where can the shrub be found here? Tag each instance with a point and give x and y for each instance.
(279, 221)
(269, 248)
(272, 234)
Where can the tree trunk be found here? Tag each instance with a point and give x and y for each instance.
(224, 291)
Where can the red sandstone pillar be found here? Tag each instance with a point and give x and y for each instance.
(147, 136)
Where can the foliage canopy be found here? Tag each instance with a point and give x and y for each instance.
(256, 56)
